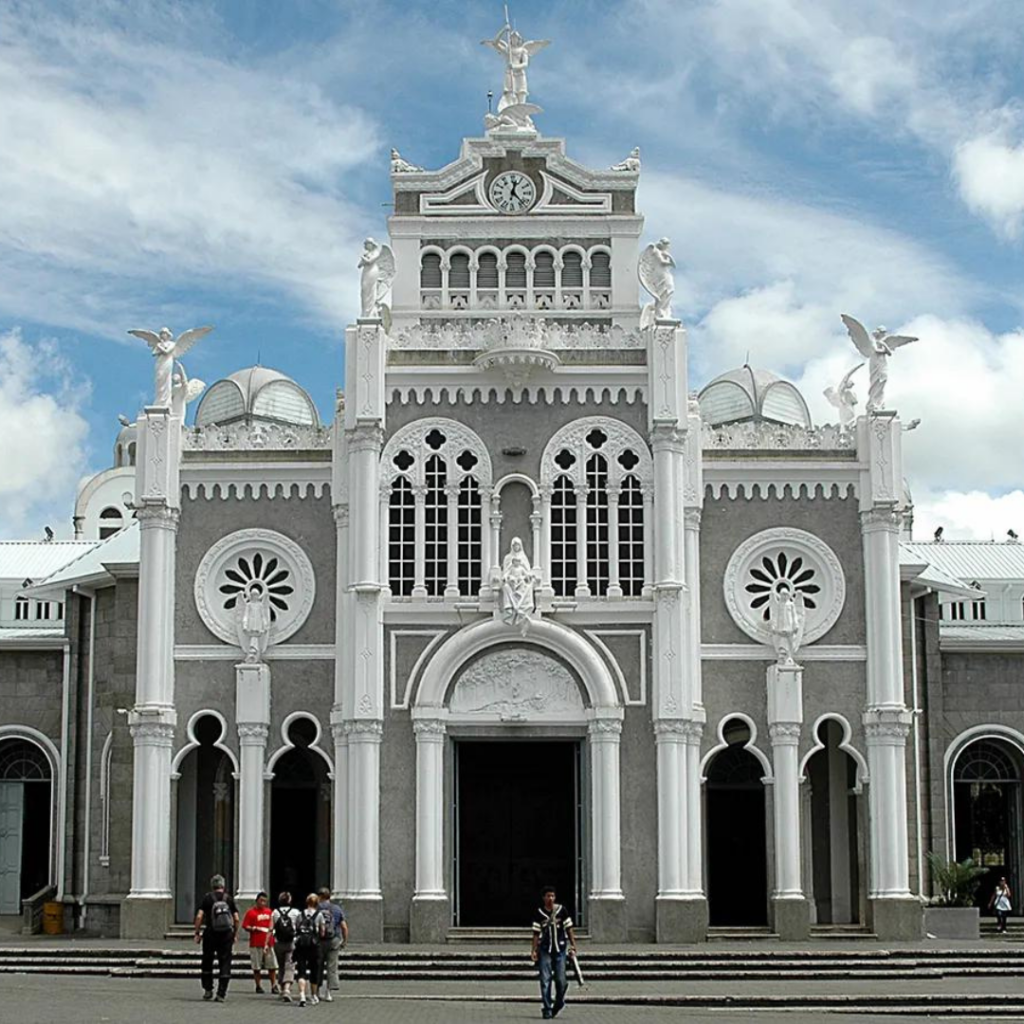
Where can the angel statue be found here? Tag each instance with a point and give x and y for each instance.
(876, 347)
(631, 163)
(655, 273)
(843, 398)
(166, 349)
(513, 109)
(400, 166)
(378, 266)
(183, 391)
(518, 580)
(787, 618)
(252, 621)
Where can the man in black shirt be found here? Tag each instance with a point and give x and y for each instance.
(553, 938)
(219, 915)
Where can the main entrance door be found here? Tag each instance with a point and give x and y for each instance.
(517, 829)
(25, 814)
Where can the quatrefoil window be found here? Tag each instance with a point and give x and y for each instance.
(775, 573)
(268, 572)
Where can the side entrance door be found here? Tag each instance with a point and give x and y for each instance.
(12, 796)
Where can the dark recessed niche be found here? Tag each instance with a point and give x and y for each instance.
(513, 451)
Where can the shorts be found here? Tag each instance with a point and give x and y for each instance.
(263, 958)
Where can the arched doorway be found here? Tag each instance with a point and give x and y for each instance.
(987, 813)
(26, 812)
(832, 823)
(737, 852)
(205, 818)
(300, 816)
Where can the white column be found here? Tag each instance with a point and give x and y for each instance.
(158, 530)
(419, 585)
(665, 443)
(384, 535)
(364, 739)
(785, 765)
(673, 811)
(364, 446)
(430, 746)
(614, 586)
(580, 492)
(339, 871)
(536, 519)
(451, 590)
(692, 677)
(606, 881)
(695, 818)
(495, 527)
(648, 590)
(252, 740)
(543, 553)
(153, 735)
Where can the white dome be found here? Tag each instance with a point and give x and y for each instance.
(260, 393)
(746, 394)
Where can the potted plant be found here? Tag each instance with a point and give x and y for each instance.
(952, 913)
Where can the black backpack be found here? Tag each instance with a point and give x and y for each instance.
(221, 918)
(307, 931)
(284, 926)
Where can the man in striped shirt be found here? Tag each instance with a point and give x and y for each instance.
(553, 938)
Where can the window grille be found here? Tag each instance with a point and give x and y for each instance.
(436, 536)
(563, 537)
(470, 554)
(631, 537)
(458, 273)
(600, 270)
(572, 270)
(544, 271)
(597, 525)
(401, 538)
(430, 271)
(515, 272)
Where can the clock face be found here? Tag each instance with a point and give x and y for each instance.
(512, 192)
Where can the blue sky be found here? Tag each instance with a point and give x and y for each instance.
(220, 162)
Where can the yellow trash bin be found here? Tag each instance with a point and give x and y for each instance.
(53, 918)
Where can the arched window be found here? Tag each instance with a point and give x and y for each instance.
(111, 521)
(572, 280)
(439, 472)
(458, 281)
(430, 270)
(401, 538)
(21, 609)
(131, 453)
(563, 537)
(544, 280)
(608, 462)
(600, 281)
(515, 280)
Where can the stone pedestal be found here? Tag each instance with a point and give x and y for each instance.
(681, 920)
(791, 919)
(899, 920)
(365, 919)
(143, 918)
(607, 920)
(429, 920)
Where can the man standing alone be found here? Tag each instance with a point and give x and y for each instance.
(553, 938)
(216, 926)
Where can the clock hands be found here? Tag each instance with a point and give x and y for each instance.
(513, 192)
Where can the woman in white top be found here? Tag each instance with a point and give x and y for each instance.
(1002, 903)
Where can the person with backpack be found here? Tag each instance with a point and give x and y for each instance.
(283, 922)
(216, 926)
(258, 922)
(336, 937)
(310, 929)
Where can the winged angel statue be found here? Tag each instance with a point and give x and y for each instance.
(513, 110)
(843, 398)
(655, 272)
(378, 266)
(183, 391)
(876, 348)
(166, 350)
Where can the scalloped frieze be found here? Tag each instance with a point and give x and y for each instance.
(778, 437)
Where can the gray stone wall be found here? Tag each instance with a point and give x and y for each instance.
(308, 521)
(31, 686)
(398, 822)
(639, 802)
(727, 522)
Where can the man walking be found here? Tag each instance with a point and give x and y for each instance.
(553, 938)
(258, 922)
(336, 937)
(284, 920)
(216, 926)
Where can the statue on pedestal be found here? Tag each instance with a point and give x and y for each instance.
(400, 166)
(655, 273)
(876, 347)
(786, 622)
(631, 163)
(166, 349)
(183, 391)
(513, 109)
(377, 264)
(843, 398)
(518, 581)
(253, 621)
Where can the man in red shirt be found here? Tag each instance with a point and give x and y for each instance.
(258, 922)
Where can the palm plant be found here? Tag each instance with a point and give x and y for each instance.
(954, 883)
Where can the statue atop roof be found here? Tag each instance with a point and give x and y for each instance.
(513, 109)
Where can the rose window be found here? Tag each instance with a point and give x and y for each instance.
(266, 574)
(784, 558)
(254, 560)
(781, 572)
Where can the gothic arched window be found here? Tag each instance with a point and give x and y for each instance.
(401, 537)
(563, 537)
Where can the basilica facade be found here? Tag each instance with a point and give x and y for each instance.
(526, 611)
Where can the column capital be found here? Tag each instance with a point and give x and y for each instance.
(886, 727)
(341, 514)
(149, 731)
(364, 730)
(429, 729)
(691, 517)
(881, 519)
(157, 516)
(253, 734)
(784, 733)
(365, 437)
(605, 729)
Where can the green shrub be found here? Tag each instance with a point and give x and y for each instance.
(954, 884)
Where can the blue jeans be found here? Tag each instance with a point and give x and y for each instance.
(552, 965)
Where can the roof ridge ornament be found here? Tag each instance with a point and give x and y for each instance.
(514, 112)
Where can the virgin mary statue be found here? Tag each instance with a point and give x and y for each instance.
(518, 580)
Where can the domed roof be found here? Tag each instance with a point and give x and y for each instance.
(124, 446)
(749, 395)
(256, 393)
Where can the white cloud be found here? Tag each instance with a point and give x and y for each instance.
(133, 165)
(990, 173)
(43, 454)
(972, 515)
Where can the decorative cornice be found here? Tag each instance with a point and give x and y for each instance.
(257, 436)
(778, 437)
(480, 336)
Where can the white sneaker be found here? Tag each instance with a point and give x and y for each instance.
(315, 1000)
(302, 1001)
(328, 998)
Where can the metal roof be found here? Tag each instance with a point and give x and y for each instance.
(27, 637)
(120, 548)
(981, 635)
(36, 559)
(970, 560)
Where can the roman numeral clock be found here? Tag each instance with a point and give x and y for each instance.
(512, 192)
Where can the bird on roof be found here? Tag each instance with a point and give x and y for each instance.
(1011, 535)
(938, 535)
